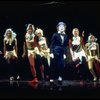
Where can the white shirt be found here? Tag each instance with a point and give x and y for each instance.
(76, 40)
(62, 37)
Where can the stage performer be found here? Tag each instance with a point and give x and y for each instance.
(10, 52)
(58, 50)
(92, 51)
(77, 47)
(44, 52)
(31, 49)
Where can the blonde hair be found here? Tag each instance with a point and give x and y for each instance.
(13, 36)
(75, 30)
(89, 37)
(30, 25)
(38, 30)
(12, 33)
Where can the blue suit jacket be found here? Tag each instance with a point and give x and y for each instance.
(57, 47)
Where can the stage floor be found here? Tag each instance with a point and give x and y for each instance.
(45, 89)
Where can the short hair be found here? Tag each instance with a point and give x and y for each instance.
(89, 37)
(38, 30)
(74, 30)
(61, 23)
(30, 25)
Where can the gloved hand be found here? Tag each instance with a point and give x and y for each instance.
(23, 56)
(52, 55)
(64, 56)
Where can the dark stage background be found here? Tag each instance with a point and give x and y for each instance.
(46, 14)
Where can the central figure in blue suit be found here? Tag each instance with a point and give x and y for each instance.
(58, 50)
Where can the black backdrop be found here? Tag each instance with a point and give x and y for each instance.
(46, 14)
